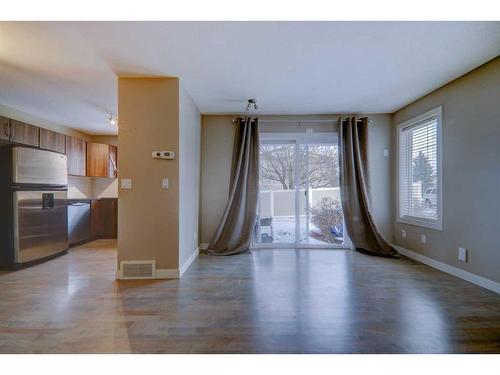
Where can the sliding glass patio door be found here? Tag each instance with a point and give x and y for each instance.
(299, 194)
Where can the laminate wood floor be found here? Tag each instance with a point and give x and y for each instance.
(271, 301)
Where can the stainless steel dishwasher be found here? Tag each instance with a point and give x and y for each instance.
(78, 222)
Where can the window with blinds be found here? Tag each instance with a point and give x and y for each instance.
(419, 154)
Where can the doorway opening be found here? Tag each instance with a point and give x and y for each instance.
(299, 194)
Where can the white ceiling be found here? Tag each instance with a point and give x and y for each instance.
(65, 72)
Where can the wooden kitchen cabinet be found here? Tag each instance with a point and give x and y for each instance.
(104, 218)
(76, 154)
(4, 128)
(23, 133)
(52, 141)
(113, 161)
(97, 159)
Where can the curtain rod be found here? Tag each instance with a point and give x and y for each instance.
(298, 122)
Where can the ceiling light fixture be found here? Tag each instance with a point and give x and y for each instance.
(252, 105)
(113, 120)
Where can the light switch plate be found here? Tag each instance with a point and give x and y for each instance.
(403, 233)
(126, 183)
(164, 183)
(423, 238)
(462, 254)
(386, 152)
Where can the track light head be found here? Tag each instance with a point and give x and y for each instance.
(252, 105)
(113, 120)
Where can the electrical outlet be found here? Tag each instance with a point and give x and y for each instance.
(462, 254)
(423, 238)
(164, 183)
(403, 233)
(386, 153)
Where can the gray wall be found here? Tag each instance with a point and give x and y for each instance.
(216, 152)
(189, 175)
(471, 173)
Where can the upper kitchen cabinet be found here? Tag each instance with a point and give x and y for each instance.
(113, 161)
(98, 160)
(23, 133)
(76, 153)
(52, 141)
(4, 128)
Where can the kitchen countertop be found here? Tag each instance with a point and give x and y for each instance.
(88, 199)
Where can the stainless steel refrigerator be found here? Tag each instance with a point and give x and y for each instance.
(33, 212)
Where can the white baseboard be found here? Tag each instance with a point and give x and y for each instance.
(204, 246)
(464, 275)
(188, 262)
(167, 273)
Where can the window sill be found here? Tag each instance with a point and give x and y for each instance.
(421, 223)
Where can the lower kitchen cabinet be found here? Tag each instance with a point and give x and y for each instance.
(104, 218)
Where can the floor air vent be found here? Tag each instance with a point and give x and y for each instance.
(137, 269)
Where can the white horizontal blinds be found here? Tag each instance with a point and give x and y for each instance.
(418, 193)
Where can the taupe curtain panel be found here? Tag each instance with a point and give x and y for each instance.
(234, 233)
(354, 188)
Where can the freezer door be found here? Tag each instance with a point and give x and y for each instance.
(40, 224)
(33, 166)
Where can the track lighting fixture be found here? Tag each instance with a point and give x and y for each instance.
(252, 105)
(113, 120)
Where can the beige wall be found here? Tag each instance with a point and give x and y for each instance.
(189, 175)
(216, 152)
(148, 216)
(471, 172)
(109, 139)
(217, 134)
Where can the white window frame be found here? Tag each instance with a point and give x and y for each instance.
(421, 222)
(298, 138)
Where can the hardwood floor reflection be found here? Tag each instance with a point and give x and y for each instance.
(271, 301)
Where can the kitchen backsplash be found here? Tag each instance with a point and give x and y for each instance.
(105, 187)
(79, 187)
(88, 187)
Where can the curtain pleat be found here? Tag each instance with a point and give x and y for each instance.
(354, 187)
(234, 233)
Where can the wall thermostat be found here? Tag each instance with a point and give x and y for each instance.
(163, 155)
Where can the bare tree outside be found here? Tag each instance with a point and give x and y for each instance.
(327, 216)
(277, 164)
(320, 211)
